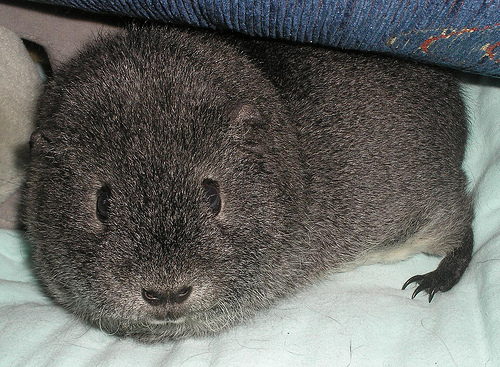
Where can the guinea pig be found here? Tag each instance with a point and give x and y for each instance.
(182, 180)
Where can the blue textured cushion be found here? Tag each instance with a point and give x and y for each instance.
(462, 34)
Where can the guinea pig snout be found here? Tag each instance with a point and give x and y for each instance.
(156, 297)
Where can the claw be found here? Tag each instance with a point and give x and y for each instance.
(413, 279)
(417, 291)
(423, 284)
(432, 293)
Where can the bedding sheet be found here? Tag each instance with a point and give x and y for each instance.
(357, 318)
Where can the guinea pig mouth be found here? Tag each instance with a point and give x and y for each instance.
(167, 321)
(167, 318)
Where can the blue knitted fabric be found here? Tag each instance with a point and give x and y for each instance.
(464, 34)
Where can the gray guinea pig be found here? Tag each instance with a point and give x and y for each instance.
(182, 180)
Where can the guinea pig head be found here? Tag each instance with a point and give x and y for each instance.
(163, 215)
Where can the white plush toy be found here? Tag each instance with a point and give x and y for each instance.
(20, 84)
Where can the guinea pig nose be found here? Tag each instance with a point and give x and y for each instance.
(155, 298)
(181, 295)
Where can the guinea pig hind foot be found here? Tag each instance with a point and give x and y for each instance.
(448, 272)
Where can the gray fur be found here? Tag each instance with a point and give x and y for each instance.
(324, 160)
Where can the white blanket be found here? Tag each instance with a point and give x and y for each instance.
(357, 318)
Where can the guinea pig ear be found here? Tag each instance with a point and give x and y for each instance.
(252, 129)
(42, 142)
(245, 113)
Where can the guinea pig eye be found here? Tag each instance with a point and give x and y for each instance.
(102, 207)
(212, 195)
